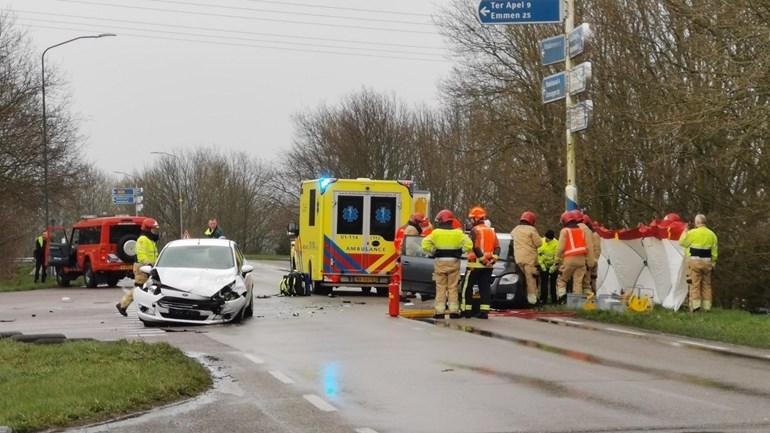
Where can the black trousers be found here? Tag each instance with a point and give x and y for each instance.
(39, 264)
(548, 285)
(483, 278)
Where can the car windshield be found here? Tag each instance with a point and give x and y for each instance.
(196, 256)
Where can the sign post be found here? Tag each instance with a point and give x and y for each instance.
(127, 196)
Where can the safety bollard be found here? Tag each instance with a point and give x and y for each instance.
(394, 297)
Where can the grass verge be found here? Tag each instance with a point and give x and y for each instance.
(45, 386)
(728, 326)
(23, 279)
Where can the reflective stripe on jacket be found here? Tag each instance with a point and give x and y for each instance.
(701, 238)
(146, 250)
(447, 243)
(572, 242)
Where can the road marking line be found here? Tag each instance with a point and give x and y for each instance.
(365, 430)
(319, 403)
(254, 359)
(707, 346)
(282, 377)
(623, 331)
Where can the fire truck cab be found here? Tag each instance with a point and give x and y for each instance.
(346, 230)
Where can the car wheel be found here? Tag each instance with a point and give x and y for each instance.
(61, 279)
(112, 281)
(382, 291)
(127, 248)
(89, 278)
(250, 308)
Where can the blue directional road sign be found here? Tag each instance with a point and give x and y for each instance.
(554, 87)
(521, 12)
(552, 50)
(125, 191)
(123, 199)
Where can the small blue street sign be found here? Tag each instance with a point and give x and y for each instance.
(123, 191)
(123, 199)
(552, 50)
(554, 87)
(577, 40)
(521, 12)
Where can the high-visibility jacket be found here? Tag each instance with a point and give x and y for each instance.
(216, 233)
(444, 242)
(146, 250)
(546, 253)
(485, 243)
(572, 242)
(526, 241)
(700, 242)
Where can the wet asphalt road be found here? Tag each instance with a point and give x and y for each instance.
(342, 365)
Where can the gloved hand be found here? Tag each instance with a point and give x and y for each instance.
(471, 257)
(553, 269)
(489, 259)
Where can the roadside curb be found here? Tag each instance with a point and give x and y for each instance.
(663, 338)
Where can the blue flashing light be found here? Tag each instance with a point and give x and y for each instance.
(324, 183)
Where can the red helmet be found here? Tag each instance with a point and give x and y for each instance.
(417, 218)
(445, 216)
(529, 217)
(477, 212)
(571, 216)
(673, 217)
(587, 220)
(149, 224)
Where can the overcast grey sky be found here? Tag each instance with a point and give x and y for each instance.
(183, 74)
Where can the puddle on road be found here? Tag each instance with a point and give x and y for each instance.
(592, 359)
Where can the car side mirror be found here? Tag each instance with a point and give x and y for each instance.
(292, 229)
(245, 269)
(147, 269)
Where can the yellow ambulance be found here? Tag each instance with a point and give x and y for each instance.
(346, 231)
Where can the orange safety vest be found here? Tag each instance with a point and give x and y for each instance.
(485, 239)
(576, 243)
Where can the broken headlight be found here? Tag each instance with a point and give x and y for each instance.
(227, 293)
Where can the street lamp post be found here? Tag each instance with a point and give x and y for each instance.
(179, 180)
(45, 122)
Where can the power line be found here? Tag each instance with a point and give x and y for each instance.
(91, 3)
(214, 29)
(149, 36)
(236, 38)
(377, 11)
(284, 12)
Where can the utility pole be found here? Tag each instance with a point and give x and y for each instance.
(570, 191)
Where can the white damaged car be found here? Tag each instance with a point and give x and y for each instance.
(200, 281)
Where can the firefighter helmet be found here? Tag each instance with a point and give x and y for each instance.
(477, 213)
(445, 216)
(149, 224)
(672, 217)
(587, 220)
(417, 218)
(529, 217)
(570, 216)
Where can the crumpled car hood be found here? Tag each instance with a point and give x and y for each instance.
(201, 282)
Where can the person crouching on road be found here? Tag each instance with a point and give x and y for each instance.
(526, 241)
(701, 245)
(571, 255)
(447, 245)
(486, 248)
(546, 258)
(146, 254)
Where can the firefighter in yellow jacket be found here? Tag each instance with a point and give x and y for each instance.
(701, 245)
(481, 259)
(571, 255)
(146, 254)
(447, 245)
(526, 241)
